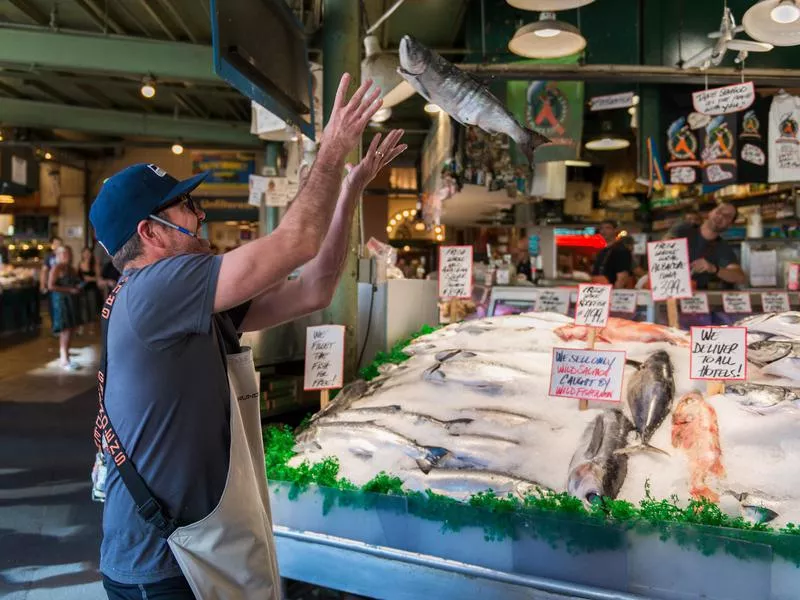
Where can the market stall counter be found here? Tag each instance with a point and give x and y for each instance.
(19, 300)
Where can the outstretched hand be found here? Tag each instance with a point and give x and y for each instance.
(377, 156)
(348, 120)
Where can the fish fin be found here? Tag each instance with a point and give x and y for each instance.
(434, 374)
(633, 363)
(449, 424)
(641, 448)
(597, 436)
(446, 355)
(533, 140)
(433, 454)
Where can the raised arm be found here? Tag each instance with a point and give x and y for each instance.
(252, 269)
(317, 283)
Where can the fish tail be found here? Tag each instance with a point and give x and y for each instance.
(532, 140)
(643, 447)
(433, 454)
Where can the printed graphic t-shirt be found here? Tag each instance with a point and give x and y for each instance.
(167, 397)
(784, 143)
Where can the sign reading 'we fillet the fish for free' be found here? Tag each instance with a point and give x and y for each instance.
(669, 269)
(455, 271)
(718, 353)
(324, 357)
(587, 374)
(594, 304)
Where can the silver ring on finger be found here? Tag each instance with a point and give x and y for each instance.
(379, 154)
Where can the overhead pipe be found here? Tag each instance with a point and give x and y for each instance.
(385, 16)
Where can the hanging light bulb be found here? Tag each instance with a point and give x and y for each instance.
(148, 87)
(547, 38)
(785, 12)
(388, 229)
(177, 148)
(382, 115)
(431, 108)
(48, 156)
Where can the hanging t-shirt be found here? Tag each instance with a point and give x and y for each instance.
(752, 147)
(784, 144)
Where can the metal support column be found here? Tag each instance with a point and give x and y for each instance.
(341, 49)
(271, 213)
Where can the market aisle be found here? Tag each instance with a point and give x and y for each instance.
(49, 527)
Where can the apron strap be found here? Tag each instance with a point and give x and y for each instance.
(106, 438)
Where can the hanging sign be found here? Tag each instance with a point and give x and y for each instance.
(611, 102)
(455, 271)
(718, 353)
(736, 303)
(724, 100)
(669, 269)
(556, 301)
(587, 374)
(623, 301)
(258, 186)
(593, 306)
(775, 302)
(696, 305)
(324, 369)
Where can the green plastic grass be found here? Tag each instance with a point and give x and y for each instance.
(557, 518)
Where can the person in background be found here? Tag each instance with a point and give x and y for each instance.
(711, 259)
(614, 263)
(4, 258)
(523, 258)
(64, 285)
(44, 273)
(693, 217)
(89, 271)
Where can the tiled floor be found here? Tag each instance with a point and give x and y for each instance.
(49, 527)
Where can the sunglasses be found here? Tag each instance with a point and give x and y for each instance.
(190, 202)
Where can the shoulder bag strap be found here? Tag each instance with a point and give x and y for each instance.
(104, 436)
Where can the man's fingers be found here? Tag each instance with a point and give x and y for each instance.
(355, 101)
(373, 146)
(395, 153)
(344, 85)
(391, 141)
(374, 107)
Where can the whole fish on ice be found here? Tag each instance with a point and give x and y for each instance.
(775, 357)
(460, 483)
(762, 398)
(649, 398)
(622, 330)
(785, 324)
(695, 430)
(395, 410)
(461, 96)
(597, 470)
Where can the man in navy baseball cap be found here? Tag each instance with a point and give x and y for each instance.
(142, 193)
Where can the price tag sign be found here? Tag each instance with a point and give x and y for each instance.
(669, 269)
(594, 304)
(775, 302)
(793, 279)
(258, 185)
(587, 374)
(556, 301)
(611, 102)
(718, 353)
(324, 358)
(623, 301)
(736, 302)
(639, 244)
(696, 305)
(455, 271)
(724, 100)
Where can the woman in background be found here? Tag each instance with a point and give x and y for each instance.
(65, 287)
(89, 271)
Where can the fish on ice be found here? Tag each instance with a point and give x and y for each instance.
(460, 483)
(395, 410)
(761, 398)
(622, 330)
(461, 96)
(695, 430)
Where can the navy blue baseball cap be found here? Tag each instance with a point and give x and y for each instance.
(131, 196)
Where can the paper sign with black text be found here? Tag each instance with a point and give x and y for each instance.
(258, 185)
(736, 303)
(587, 374)
(724, 100)
(775, 302)
(718, 353)
(324, 369)
(623, 301)
(594, 304)
(696, 305)
(455, 271)
(611, 101)
(553, 301)
(669, 269)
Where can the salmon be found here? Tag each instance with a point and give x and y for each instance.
(623, 330)
(696, 432)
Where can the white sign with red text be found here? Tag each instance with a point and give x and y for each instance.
(324, 369)
(696, 305)
(669, 269)
(594, 304)
(775, 302)
(587, 374)
(624, 301)
(718, 353)
(736, 303)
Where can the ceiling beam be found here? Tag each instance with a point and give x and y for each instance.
(99, 17)
(179, 20)
(31, 11)
(107, 54)
(151, 10)
(632, 73)
(46, 115)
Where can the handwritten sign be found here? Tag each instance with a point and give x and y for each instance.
(724, 100)
(324, 357)
(587, 374)
(775, 302)
(623, 301)
(718, 353)
(258, 185)
(736, 302)
(639, 244)
(611, 102)
(553, 301)
(669, 269)
(696, 305)
(793, 277)
(753, 154)
(455, 271)
(594, 303)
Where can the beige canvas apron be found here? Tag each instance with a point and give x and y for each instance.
(230, 554)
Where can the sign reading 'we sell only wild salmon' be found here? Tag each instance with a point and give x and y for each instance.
(587, 374)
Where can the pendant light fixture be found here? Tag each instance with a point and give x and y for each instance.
(607, 140)
(548, 5)
(774, 21)
(547, 38)
(381, 67)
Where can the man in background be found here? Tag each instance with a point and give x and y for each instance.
(693, 217)
(712, 260)
(4, 258)
(614, 263)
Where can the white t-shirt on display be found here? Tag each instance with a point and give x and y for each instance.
(784, 143)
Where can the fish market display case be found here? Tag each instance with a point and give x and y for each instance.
(384, 546)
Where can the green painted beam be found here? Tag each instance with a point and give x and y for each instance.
(45, 115)
(107, 54)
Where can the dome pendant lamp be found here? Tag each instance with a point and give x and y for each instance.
(776, 22)
(547, 38)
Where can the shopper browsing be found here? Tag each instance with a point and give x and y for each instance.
(614, 263)
(64, 283)
(177, 420)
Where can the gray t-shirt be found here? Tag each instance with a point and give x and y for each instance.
(167, 397)
(717, 252)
